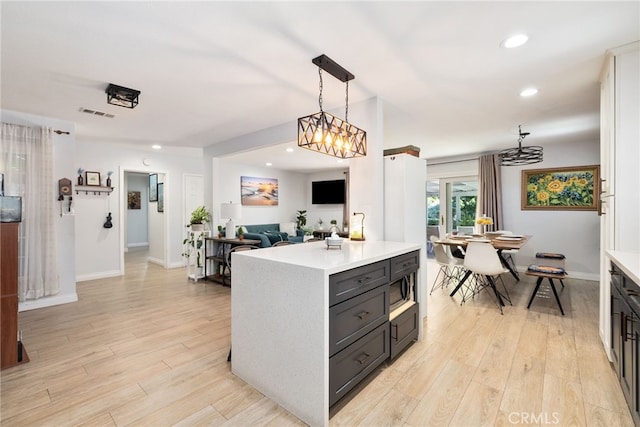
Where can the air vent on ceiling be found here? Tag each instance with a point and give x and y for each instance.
(97, 113)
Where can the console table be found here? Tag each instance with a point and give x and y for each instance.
(215, 257)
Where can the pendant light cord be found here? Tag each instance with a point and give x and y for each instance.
(320, 86)
(346, 104)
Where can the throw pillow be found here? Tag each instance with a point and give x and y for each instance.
(275, 236)
(288, 227)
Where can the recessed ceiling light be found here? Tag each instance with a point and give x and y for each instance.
(529, 92)
(514, 41)
(289, 150)
(156, 147)
(269, 164)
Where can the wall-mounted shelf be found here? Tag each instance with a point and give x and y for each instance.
(95, 189)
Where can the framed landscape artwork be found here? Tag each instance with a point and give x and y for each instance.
(258, 191)
(568, 188)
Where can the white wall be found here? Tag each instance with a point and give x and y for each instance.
(326, 212)
(573, 233)
(226, 188)
(137, 219)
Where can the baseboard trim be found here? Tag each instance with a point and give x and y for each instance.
(47, 302)
(101, 275)
(137, 245)
(156, 261)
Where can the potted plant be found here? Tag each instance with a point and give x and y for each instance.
(219, 232)
(241, 233)
(198, 217)
(334, 226)
(301, 219)
(193, 243)
(319, 223)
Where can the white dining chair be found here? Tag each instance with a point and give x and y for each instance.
(451, 268)
(482, 260)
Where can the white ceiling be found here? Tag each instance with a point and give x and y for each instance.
(211, 71)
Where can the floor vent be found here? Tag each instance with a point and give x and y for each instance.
(97, 113)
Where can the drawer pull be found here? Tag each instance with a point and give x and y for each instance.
(364, 279)
(363, 315)
(363, 358)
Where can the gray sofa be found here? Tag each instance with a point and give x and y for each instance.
(270, 233)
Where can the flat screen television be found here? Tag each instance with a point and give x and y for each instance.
(328, 192)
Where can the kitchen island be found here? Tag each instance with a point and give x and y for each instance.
(283, 318)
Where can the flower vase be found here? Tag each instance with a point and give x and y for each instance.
(109, 182)
(80, 180)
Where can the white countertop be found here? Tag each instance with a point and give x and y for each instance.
(629, 262)
(316, 255)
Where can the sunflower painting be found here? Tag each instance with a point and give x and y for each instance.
(571, 188)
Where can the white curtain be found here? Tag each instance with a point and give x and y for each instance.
(26, 159)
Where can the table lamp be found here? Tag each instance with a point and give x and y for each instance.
(357, 228)
(230, 211)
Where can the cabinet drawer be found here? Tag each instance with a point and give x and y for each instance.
(350, 283)
(404, 329)
(404, 264)
(351, 319)
(355, 362)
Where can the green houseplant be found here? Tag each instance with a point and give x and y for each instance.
(301, 219)
(198, 217)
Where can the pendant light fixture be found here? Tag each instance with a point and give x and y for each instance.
(521, 155)
(326, 133)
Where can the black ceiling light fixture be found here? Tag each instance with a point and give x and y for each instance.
(122, 96)
(326, 133)
(521, 155)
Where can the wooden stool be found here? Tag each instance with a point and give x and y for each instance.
(552, 259)
(542, 271)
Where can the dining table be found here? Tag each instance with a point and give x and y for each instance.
(500, 243)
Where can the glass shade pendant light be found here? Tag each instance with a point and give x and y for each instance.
(521, 155)
(326, 133)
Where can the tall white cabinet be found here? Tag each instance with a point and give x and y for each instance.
(620, 166)
(405, 208)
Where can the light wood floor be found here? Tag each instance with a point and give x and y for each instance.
(150, 349)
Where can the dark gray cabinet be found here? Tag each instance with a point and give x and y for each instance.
(625, 337)
(358, 325)
(361, 336)
(404, 330)
(350, 283)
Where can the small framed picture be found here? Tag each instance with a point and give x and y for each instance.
(153, 187)
(92, 178)
(160, 197)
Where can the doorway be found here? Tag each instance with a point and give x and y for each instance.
(143, 222)
(451, 207)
